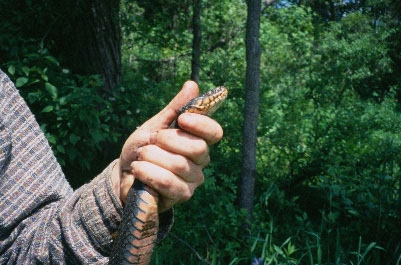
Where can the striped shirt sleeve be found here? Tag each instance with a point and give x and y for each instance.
(42, 220)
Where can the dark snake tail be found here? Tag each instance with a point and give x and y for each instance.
(137, 233)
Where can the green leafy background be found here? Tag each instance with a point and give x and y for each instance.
(329, 145)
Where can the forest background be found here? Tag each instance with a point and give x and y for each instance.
(328, 143)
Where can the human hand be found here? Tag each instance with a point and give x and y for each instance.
(170, 161)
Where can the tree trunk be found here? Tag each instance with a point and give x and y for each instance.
(251, 110)
(196, 24)
(90, 39)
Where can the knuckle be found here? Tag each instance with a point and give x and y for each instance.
(198, 178)
(201, 178)
(206, 161)
(200, 148)
(144, 152)
(181, 167)
(187, 194)
(165, 183)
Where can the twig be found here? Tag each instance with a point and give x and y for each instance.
(190, 247)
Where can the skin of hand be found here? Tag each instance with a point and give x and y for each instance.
(170, 161)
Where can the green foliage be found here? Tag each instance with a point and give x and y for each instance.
(76, 118)
(328, 139)
(329, 145)
(212, 237)
(321, 142)
(321, 132)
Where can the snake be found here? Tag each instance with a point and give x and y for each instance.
(137, 233)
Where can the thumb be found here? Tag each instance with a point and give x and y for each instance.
(162, 120)
(167, 115)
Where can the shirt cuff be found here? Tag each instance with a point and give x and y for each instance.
(101, 210)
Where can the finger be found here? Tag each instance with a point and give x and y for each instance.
(171, 188)
(202, 126)
(182, 143)
(161, 120)
(177, 164)
(167, 115)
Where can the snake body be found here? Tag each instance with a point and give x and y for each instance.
(138, 230)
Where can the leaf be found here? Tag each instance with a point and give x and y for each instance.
(51, 89)
(74, 138)
(61, 149)
(21, 81)
(48, 109)
(63, 100)
(11, 69)
(44, 77)
(52, 59)
(278, 250)
(51, 138)
(26, 70)
(97, 136)
(290, 249)
(33, 97)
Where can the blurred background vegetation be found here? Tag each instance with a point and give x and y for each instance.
(329, 133)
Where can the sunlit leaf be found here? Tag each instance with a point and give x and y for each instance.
(21, 81)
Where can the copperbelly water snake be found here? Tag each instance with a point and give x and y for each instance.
(139, 227)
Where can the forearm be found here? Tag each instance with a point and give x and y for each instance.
(74, 230)
(89, 218)
(42, 221)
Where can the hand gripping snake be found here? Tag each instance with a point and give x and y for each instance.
(140, 222)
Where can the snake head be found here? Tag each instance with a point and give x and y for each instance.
(206, 104)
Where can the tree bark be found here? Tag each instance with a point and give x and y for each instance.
(251, 110)
(197, 36)
(89, 39)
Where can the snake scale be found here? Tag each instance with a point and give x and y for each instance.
(140, 222)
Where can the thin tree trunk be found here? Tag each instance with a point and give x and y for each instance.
(196, 24)
(251, 110)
